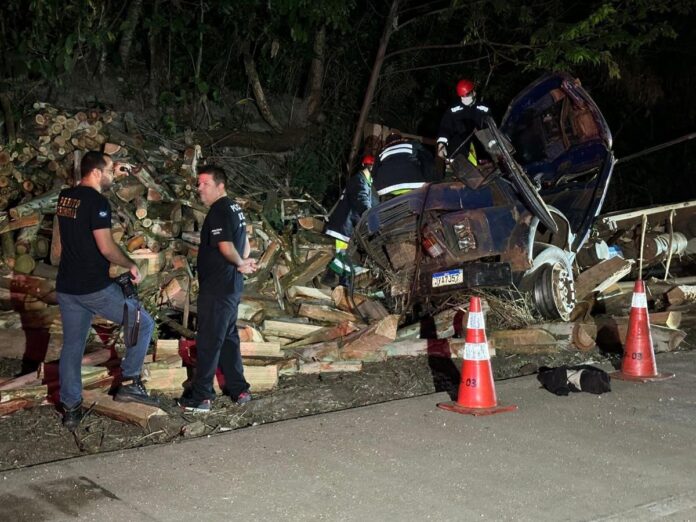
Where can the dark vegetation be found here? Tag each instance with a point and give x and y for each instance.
(299, 71)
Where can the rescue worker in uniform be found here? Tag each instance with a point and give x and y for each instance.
(355, 199)
(403, 165)
(459, 124)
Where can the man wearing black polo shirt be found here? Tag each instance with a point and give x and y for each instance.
(223, 258)
(84, 289)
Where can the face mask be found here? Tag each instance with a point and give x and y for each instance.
(467, 100)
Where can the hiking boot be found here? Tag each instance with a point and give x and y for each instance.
(193, 405)
(243, 398)
(132, 389)
(72, 417)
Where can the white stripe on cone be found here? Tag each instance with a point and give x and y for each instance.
(476, 352)
(475, 321)
(639, 300)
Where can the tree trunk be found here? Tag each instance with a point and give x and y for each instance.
(316, 75)
(158, 67)
(259, 95)
(129, 26)
(372, 84)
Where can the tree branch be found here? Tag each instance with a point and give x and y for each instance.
(259, 95)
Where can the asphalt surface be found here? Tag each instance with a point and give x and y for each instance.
(625, 455)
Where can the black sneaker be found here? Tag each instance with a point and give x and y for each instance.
(243, 398)
(72, 417)
(132, 389)
(193, 405)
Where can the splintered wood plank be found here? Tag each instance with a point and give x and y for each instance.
(9, 407)
(129, 412)
(295, 293)
(327, 351)
(325, 313)
(328, 333)
(261, 378)
(601, 276)
(252, 349)
(342, 299)
(306, 272)
(288, 329)
(166, 348)
(365, 344)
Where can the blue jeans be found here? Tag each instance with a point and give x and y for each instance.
(77, 312)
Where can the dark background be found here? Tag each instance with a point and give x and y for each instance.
(181, 65)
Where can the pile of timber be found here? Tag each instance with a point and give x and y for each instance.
(289, 323)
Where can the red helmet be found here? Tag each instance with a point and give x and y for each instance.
(368, 160)
(464, 87)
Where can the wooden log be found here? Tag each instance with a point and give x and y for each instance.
(325, 313)
(327, 351)
(165, 380)
(249, 334)
(313, 368)
(365, 344)
(342, 299)
(510, 340)
(21, 222)
(304, 273)
(261, 378)
(311, 223)
(287, 329)
(601, 276)
(328, 333)
(45, 204)
(251, 311)
(129, 412)
(668, 319)
(372, 310)
(297, 293)
(130, 189)
(10, 407)
(165, 348)
(681, 295)
(263, 349)
(420, 347)
(611, 335)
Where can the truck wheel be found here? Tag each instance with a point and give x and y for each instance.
(553, 291)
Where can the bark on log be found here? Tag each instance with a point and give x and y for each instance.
(288, 329)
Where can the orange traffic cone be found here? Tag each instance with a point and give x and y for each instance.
(476, 390)
(638, 363)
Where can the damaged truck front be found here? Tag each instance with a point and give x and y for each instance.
(491, 226)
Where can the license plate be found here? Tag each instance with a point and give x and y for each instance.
(450, 277)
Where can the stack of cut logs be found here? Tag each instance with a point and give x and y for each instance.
(288, 322)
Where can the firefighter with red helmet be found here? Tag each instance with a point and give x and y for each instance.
(459, 123)
(355, 199)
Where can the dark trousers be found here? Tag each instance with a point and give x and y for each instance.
(217, 344)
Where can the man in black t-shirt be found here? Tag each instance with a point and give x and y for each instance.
(84, 289)
(223, 259)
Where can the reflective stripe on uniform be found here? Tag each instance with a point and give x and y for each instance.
(341, 245)
(337, 235)
(400, 186)
(405, 148)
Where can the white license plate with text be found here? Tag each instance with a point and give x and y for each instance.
(450, 277)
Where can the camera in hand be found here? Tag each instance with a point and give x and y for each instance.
(126, 283)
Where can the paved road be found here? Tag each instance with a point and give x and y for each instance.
(627, 455)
